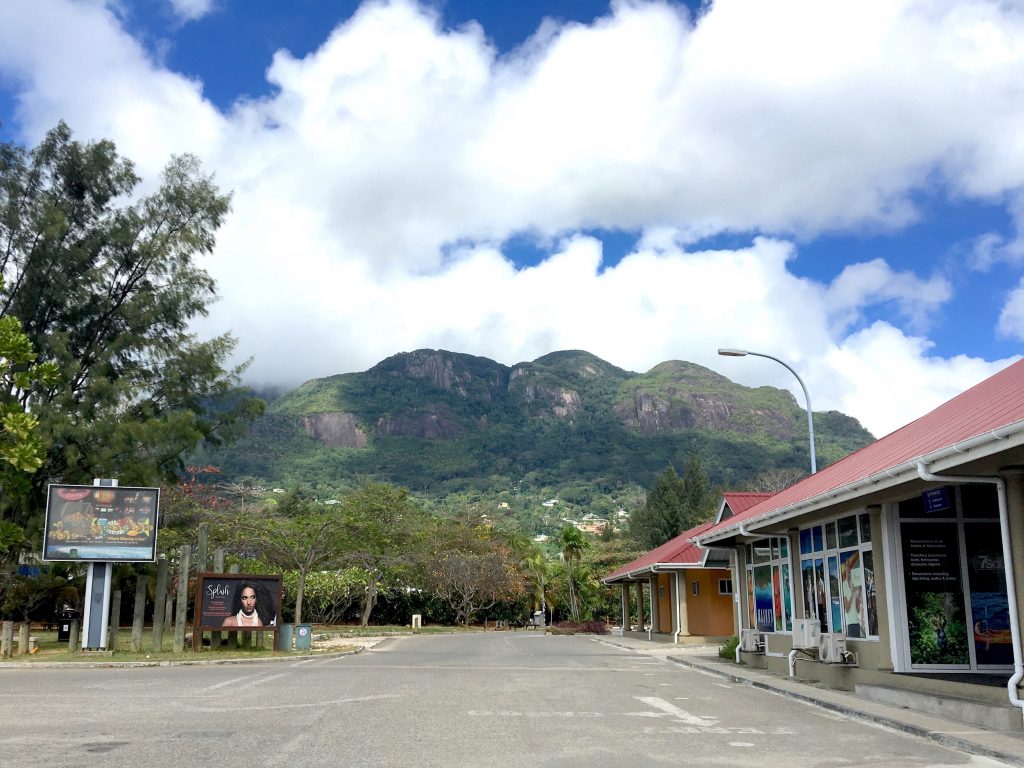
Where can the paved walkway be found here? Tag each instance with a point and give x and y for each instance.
(1001, 745)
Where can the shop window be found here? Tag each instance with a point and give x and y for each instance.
(769, 585)
(837, 570)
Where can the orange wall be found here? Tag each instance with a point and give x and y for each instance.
(666, 620)
(709, 612)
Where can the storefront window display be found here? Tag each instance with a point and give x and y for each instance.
(957, 605)
(837, 569)
(770, 591)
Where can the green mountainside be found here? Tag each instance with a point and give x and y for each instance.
(440, 423)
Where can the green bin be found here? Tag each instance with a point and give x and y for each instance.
(303, 637)
(284, 638)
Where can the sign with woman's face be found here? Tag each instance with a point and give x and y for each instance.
(237, 601)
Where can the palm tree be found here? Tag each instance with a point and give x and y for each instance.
(573, 544)
(536, 568)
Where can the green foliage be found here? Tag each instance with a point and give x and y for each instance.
(661, 518)
(106, 286)
(727, 650)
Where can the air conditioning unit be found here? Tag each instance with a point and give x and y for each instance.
(832, 647)
(806, 632)
(751, 640)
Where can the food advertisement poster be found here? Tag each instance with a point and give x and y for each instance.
(100, 523)
(237, 601)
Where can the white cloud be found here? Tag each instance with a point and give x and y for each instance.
(191, 10)
(374, 188)
(887, 378)
(1011, 319)
(870, 283)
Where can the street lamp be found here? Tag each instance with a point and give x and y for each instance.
(726, 352)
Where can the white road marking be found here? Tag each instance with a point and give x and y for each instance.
(682, 715)
(307, 705)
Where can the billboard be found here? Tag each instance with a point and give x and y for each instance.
(237, 601)
(101, 523)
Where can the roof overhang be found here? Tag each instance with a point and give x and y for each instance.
(939, 461)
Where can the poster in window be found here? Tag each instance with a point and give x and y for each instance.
(870, 593)
(765, 610)
(777, 596)
(851, 578)
(937, 625)
(990, 607)
(787, 591)
(835, 603)
(751, 622)
(816, 601)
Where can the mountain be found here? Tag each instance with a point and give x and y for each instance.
(440, 422)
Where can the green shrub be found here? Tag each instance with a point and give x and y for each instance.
(728, 649)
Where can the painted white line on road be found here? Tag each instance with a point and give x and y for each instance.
(233, 681)
(307, 705)
(680, 714)
(740, 744)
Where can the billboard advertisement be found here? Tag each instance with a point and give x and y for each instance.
(101, 523)
(237, 602)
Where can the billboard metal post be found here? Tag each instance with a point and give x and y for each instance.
(97, 606)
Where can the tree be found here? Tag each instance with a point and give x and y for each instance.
(297, 534)
(106, 287)
(660, 519)
(572, 544)
(697, 497)
(384, 534)
(472, 569)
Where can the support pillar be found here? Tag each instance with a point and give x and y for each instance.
(640, 606)
(624, 599)
(683, 623)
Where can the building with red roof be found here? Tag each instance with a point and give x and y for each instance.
(901, 565)
(689, 586)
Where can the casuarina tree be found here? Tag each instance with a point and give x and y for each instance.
(106, 284)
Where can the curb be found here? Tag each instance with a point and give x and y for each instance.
(963, 745)
(171, 663)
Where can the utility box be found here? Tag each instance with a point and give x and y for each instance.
(303, 637)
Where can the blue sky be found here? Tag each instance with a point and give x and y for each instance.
(841, 187)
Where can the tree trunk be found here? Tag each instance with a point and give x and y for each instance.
(299, 592)
(371, 601)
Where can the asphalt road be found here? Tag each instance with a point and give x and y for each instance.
(487, 699)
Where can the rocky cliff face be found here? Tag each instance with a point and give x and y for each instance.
(335, 430)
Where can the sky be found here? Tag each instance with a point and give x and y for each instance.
(837, 185)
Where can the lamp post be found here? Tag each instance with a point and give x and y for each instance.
(726, 352)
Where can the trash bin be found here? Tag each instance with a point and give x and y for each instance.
(284, 637)
(303, 637)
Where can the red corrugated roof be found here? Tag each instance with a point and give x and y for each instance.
(995, 403)
(741, 501)
(677, 551)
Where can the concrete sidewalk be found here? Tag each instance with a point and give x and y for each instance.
(1000, 745)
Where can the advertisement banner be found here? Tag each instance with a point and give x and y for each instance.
(763, 603)
(935, 599)
(101, 523)
(244, 602)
